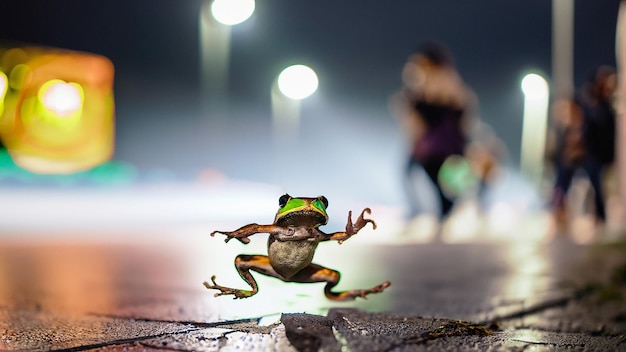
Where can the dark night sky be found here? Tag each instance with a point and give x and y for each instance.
(357, 47)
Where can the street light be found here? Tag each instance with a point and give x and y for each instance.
(534, 128)
(232, 12)
(297, 82)
(216, 19)
(293, 84)
(290, 87)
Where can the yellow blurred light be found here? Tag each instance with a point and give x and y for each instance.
(4, 86)
(59, 112)
(232, 12)
(18, 76)
(64, 99)
(298, 82)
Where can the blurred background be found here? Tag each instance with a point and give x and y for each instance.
(194, 129)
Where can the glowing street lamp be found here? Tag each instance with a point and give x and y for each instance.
(216, 19)
(290, 87)
(293, 84)
(232, 12)
(534, 128)
(297, 82)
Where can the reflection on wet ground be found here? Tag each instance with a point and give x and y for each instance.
(138, 259)
(159, 275)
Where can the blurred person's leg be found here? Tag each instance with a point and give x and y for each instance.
(594, 171)
(410, 187)
(563, 181)
(432, 168)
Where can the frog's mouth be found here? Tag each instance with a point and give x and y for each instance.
(305, 218)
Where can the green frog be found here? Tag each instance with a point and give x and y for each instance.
(293, 239)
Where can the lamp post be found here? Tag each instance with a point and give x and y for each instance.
(292, 85)
(534, 128)
(621, 108)
(216, 19)
(563, 48)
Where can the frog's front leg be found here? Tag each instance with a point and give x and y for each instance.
(317, 273)
(352, 228)
(245, 263)
(243, 232)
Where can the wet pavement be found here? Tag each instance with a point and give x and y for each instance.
(142, 290)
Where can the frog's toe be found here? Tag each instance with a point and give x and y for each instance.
(378, 288)
(381, 287)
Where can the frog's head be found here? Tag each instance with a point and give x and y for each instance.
(300, 211)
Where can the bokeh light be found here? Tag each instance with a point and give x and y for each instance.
(64, 99)
(232, 12)
(456, 176)
(298, 82)
(534, 86)
(534, 129)
(4, 86)
(59, 111)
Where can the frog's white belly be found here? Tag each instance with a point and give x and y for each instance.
(289, 257)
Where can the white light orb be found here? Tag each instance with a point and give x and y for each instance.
(534, 86)
(232, 12)
(297, 82)
(60, 97)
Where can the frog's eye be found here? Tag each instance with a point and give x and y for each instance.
(282, 201)
(323, 200)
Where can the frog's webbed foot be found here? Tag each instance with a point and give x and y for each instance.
(375, 289)
(317, 273)
(244, 264)
(230, 235)
(352, 294)
(353, 228)
(227, 290)
(360, 223)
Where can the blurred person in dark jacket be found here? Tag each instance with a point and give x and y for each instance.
(585, 139)
(433, 108)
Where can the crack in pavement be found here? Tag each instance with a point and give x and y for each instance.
(543, 306)
(121, 341)
(554, 344)
(193, 326)
(184, 322)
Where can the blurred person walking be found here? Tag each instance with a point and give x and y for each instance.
(585, 140)
(433, 109)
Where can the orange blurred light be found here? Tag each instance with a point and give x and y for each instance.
(59, 109)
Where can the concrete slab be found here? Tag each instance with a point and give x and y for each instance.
(137, 295)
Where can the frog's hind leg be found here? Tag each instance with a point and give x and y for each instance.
(317, 273)
(245, 263)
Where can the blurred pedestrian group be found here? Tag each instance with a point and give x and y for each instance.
(583, 141)
(437, 111)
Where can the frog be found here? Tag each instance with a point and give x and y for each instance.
(293, 238)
